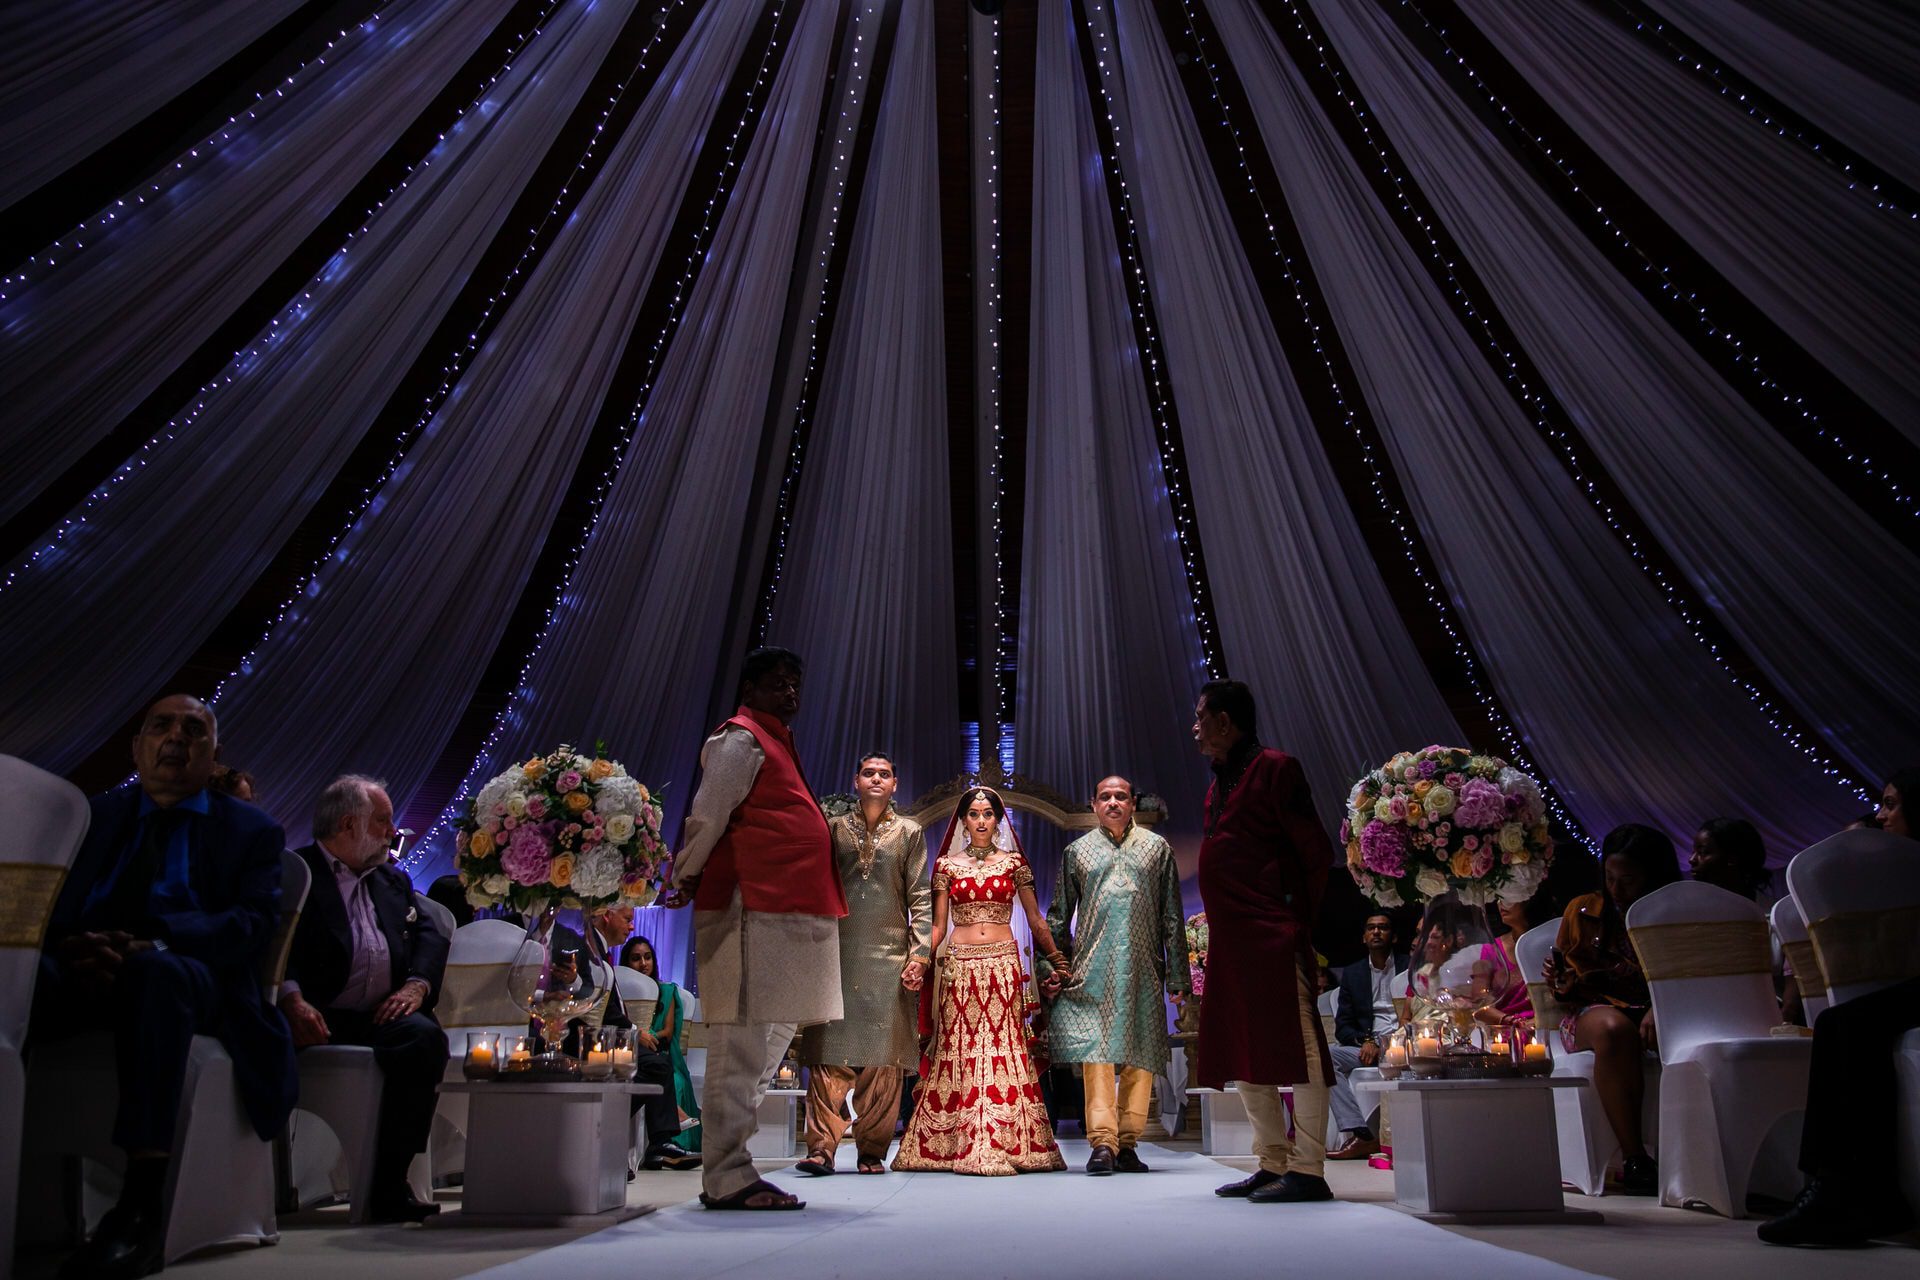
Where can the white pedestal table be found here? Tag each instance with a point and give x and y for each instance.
(1477, 1152)
(545, 1153)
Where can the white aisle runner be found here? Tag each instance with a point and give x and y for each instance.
(1061, 1226)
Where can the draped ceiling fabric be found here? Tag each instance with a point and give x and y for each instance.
(513, 366)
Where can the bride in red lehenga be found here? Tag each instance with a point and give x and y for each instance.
(978, 1107)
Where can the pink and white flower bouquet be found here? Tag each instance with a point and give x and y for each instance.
(1445, 820)
(562, 830)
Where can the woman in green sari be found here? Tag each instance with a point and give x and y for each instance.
(668, 1034)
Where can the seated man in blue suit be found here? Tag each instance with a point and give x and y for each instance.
(159, 934)
(366, 968)
(1363, 1020)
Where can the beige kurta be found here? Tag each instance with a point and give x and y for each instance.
(889, 917)
(755, 966)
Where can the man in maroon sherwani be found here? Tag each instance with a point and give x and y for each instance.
(1263, 865)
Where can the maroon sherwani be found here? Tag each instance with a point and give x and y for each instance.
(1263, 866)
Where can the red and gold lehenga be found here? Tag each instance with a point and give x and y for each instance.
(978, 1107)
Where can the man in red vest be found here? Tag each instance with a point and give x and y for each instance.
(1263, 865)
(757, 864)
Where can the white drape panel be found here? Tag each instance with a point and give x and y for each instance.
(278, 422)
(867, 594)
(1796, 572)
(1586, 660)
(1110, 658)
(1302, 612)
(1846, 65)
(1839, 275)
(87, 338)
(373, 671)
(75, 73)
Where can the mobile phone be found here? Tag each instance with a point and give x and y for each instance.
(1559, 958)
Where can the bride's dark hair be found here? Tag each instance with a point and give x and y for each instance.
(968, 797)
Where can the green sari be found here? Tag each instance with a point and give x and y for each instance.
(672, 1010)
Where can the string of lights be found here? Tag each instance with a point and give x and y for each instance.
(1672, 294)
(352, 37)
(1447, 265)
(847, 150)
(696, 257)
(1885, 191)
(1095, 54)
(451, 371)
(246, 358)
(1004, 643)
(1226, 88)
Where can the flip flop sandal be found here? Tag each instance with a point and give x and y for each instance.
(816, 1167)
(738, 1200)
(872, 1166)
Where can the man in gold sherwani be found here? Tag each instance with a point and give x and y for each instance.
(883, 960)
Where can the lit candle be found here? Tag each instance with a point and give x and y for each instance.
(1499, 1047)
(481, 1055)
(1396, 1055)
(1427, 1047)
(1535, 1052)
(521, 1059)
(623, 1057)
(599, 1064)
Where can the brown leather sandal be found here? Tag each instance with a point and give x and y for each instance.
(818, 1164)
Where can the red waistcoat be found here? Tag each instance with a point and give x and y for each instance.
(776, 848)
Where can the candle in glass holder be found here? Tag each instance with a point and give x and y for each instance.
(520, 1056)
(1396, 1055)
(1427, 1047)
(481, 1061)
(599, 1064)
(1500, 1047)
(1535, 1052)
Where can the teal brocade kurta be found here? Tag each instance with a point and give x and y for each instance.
(1116, 913)
(889, 917)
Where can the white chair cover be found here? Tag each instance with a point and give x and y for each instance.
(43, 819)
(220, 1182)
(1791, 932)
(1728, 1082)
(639, 993)
(1859, 892)
(1587, 1141)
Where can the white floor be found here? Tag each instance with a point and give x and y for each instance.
(1062, 1225)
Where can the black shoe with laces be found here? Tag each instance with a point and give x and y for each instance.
(1129, 1161)
(1825, 1216)
(1247, 1186)
(1100, 1163)
(1293, 1188)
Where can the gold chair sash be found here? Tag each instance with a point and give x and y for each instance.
(28, 891)
(1703, 949)
(1547, 1011)
(1807, 973)
(1868, 946)
(475, 995)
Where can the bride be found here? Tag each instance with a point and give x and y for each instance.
(979, 1108)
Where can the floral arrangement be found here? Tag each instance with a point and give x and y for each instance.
(839, 803)
(564, 830)
(1197, 938)
(1445, 820)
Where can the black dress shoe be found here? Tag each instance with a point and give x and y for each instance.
(1100, 1163)
(1129, 1161)
(127, 1244)
(1248, 1185)
(401, 1207)
(1293, 1188)
(1823, 1216)
(666, 1155)
(1640, 1176)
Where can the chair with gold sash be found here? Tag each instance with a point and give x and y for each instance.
(473, 997)
(1859, 892)
(43, 819)
(1587, 1144)
(1727, 1083)
(1797, 946)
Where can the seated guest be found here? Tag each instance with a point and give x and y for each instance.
(668, 1035)
(1363, 1020)
(158, 935)
(1595, 973)
(448, 892)
(1852, 1193)
(365, 969)
(1515, 1008)
(229, 781)
(1728, 853)
(652, 1063)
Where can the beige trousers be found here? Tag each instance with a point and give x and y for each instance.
(876, 1107)
(1116, 1110)
(741, 1060)
(1267, 1109)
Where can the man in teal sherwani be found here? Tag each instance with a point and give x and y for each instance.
(1116, 914)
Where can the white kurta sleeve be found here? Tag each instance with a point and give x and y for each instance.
(729, 763)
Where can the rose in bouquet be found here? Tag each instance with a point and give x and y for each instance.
(562, 830)
(1197, 938)
(1445, 820)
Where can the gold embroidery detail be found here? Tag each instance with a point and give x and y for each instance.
(983, 913)
(27, 894)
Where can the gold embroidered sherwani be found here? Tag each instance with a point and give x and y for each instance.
(889, 918)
